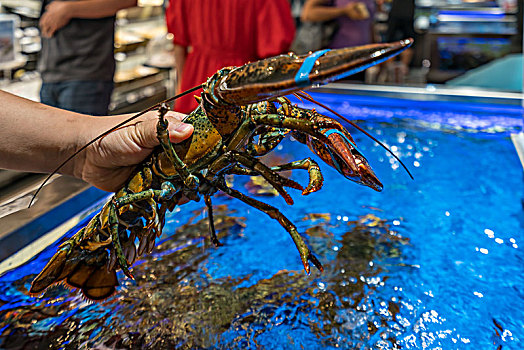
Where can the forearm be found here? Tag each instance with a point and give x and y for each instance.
(35, 137)
(315, 11)
(180, 61)
(97, 8)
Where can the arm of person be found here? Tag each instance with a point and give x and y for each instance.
(319, 11)
(37, 138)
(58, 13)
(180, 61)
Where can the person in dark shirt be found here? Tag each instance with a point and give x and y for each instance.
(400, 26)
(77, 62)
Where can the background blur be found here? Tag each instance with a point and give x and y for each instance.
(476, 43)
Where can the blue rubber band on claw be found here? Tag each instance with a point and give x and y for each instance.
(302, 76)
(329, 132)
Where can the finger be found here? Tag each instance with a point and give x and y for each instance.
(179, 131)
(51, 31)
(43, 25)
(45, 33)
(144, 133)
(171, 116)
(48, 29)
(178, 116)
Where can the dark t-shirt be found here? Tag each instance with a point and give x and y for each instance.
(402, 9)
(81, 50)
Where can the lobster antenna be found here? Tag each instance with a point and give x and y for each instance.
(298, 96)
(108, 132)
(309, 98)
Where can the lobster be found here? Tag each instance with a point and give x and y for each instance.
(242, 115)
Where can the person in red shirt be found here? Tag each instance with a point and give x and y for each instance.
(212, 34)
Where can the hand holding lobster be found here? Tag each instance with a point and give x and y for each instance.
(108, 163)
(55, 133)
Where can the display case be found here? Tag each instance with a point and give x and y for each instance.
(462, 35)
(144, 61)
(26, 33)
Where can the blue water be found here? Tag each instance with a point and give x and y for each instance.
(430, 263)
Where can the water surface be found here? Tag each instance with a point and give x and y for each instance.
(430, 263)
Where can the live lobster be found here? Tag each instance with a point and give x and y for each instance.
(242, 115)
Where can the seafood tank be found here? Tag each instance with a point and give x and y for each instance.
(430, 263)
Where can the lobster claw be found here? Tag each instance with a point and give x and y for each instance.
(342, 154)
(284, 74)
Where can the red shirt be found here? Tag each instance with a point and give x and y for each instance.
(225, 33)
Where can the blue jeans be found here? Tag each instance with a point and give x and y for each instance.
(89, 97)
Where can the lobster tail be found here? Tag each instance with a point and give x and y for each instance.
(284, 74)
(82, 269)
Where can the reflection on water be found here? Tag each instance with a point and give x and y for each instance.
(175, 302)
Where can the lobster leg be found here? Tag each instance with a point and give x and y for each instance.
(270, 176)
(274, 213)
(113, 228)
(190, 180)
(212, 231)
(315, 176)
(266, 143)
(329, 140)
(269, 138)
(166, 193)
(223, 163)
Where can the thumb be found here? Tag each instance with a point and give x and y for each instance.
(178, 131)
(146, 131)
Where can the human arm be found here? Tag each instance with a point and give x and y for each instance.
(58, 13)
(319, 11)
(180, 53)
(178, 25)
(37, 138)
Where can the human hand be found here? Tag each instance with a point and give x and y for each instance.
(56, 16)
(356, 11)
(108, 162)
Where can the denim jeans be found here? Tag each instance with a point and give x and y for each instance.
(89, 97)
